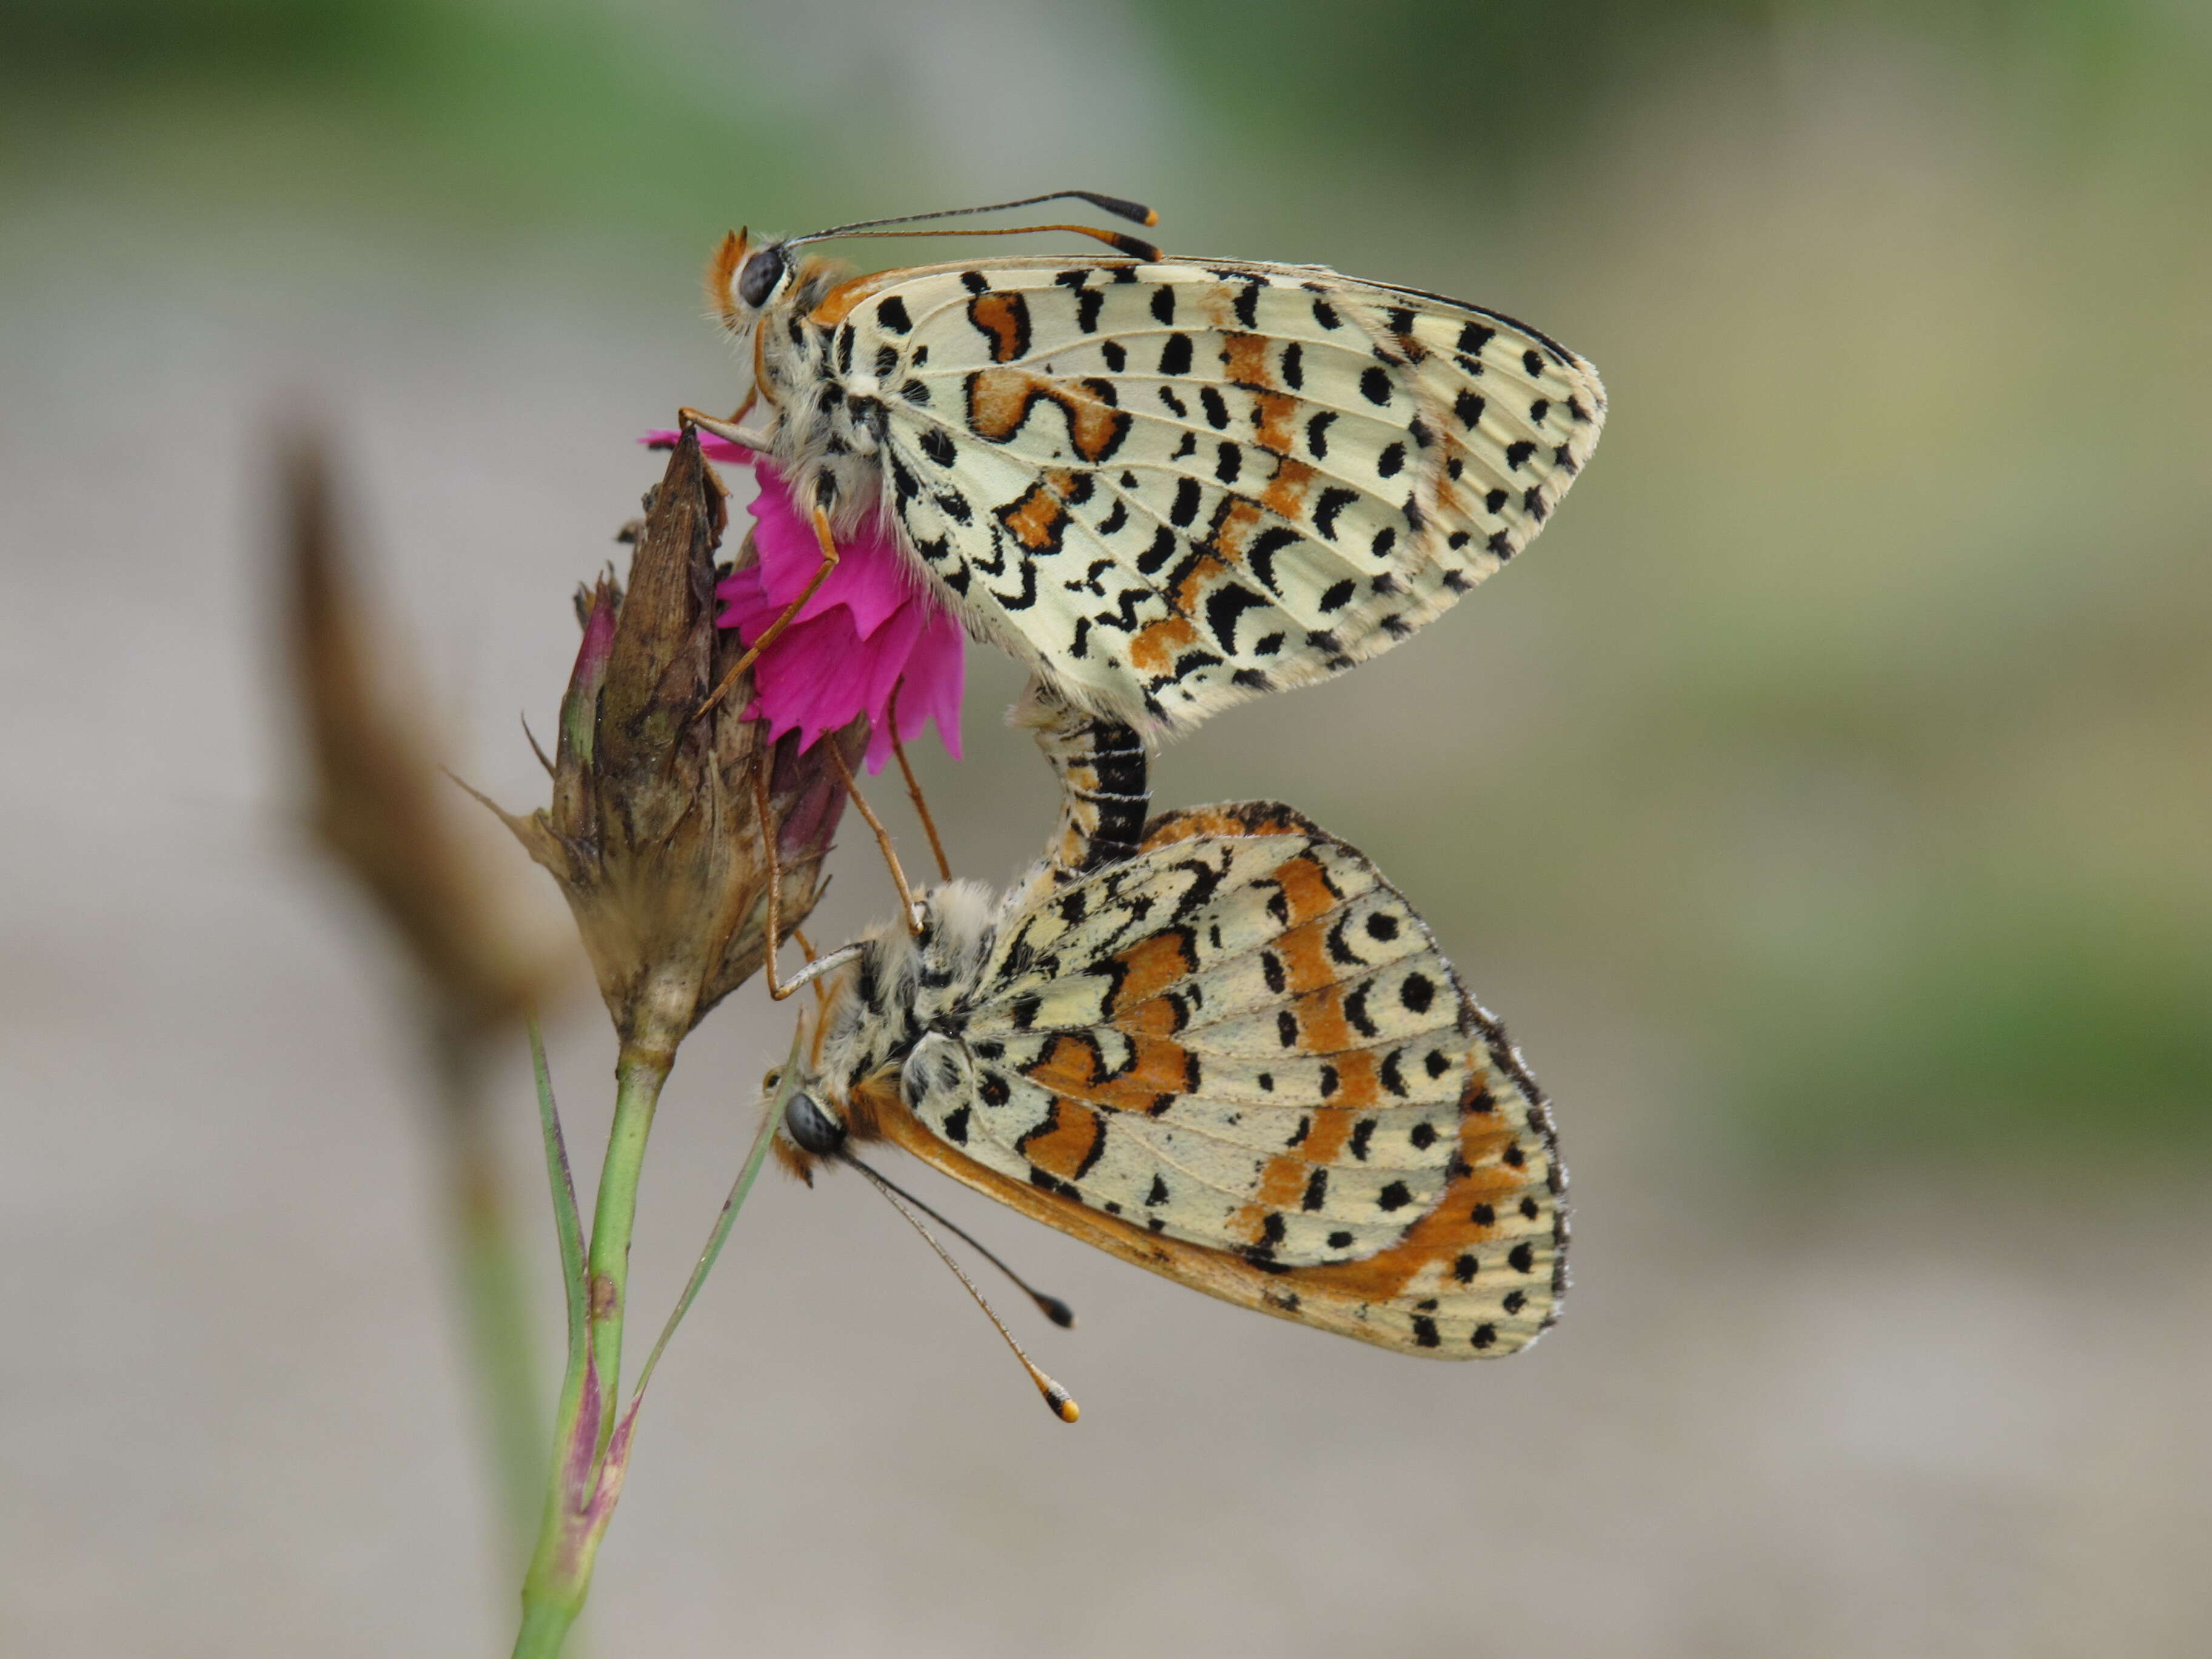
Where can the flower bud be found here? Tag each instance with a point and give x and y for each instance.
(652, 832)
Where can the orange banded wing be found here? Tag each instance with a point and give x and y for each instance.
(1177, 484)
(1240, 1061)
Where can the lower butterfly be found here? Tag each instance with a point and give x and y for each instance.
(1230, 1053)
(1166, 484)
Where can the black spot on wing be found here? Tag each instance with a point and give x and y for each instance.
(1260, 557)
(1224, 605)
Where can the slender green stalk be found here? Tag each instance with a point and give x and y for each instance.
(638, 1080)
(544, 1627)
(738, 1190)
(591, 1440)
(551, 1594)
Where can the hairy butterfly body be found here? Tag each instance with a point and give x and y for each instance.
(1168, 484)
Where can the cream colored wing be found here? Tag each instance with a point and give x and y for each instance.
(1239, 1060)
(1175, 485)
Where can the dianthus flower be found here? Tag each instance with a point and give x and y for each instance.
(872, 640)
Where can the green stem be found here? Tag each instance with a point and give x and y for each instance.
(739, 1189)
(584, 1486)
(544, 1626)
(638, 1079)
(591, 1438)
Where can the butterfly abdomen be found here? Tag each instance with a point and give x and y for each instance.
(1103, 770)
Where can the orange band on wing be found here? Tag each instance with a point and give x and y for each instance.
(1149, 967)
(837, 304)
(1159, 1072)
(1000, 400)
(1332, 1297)
(1243, 817)
(1068, 1143)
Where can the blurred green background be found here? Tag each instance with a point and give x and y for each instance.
(1825, 800)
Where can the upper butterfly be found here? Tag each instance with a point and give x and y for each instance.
(1167, 485)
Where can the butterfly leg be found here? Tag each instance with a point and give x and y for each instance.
(815, 966)
(828, 543)
(913, 789)
(821, 996)
(734, 428)
(908, 907)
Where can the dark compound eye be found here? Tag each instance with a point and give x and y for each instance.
(814, 1129)
(760, 275)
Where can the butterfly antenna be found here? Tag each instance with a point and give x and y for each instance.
(1135, 247)
(1135, 212)
(1050, 1306)
(1063, 1405)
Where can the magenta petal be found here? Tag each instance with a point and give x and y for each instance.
(870, 579)
(745, 604)
(882, 664)
(885, 660)
(805, 680)
(789, 555)
(936, 674)
(880, 583)
(871, 637)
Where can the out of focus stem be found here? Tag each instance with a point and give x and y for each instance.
(490, 1287)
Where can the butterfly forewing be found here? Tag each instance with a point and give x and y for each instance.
(1242, 1059)
(1172, 485)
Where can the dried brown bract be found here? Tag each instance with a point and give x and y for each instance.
(652, 832)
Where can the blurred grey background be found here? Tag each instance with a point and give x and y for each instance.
(1823, 803)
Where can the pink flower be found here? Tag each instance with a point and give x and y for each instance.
(873, 632)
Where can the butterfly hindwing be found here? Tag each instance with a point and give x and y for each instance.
(1240, 1060)
(1175, 484)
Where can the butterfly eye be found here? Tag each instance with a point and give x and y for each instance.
(761, 276)
(813, 1128)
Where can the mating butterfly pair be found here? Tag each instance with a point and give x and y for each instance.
(1216, 1043)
